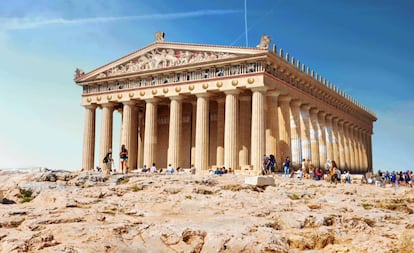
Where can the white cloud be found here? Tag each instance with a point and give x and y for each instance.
(32, 23)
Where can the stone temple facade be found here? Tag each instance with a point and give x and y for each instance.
(212, 105)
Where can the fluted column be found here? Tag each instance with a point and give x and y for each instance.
(258, 127)
(174, 137)
(322, 139)
(305, 132)
(230, 129)
(106, 132)
(295, 133)
(140, 154)
(244, 129)
(193, 131)
(341, 140)
(328, 131)
(129, 132)
(335, 141)
(361, 149)
(201, 138)
(351, 148)
(356, 148)
(314, 137)
(150, 137)
(347, 150)
(271, 121)
(220, 132)
(364, 148)
(284, 129)
(369, 140)
(88, 156)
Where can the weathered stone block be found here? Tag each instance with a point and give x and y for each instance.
(259, 180)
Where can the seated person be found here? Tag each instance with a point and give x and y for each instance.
(170, 169)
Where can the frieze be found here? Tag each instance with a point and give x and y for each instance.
(164, 58)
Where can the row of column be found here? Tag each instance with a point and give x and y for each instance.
(268, 123)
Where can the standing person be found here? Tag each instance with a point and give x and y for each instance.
(266, 162)
(333, 172)
(286, 166)
(108, 162)
(123, 156)
(272, 164)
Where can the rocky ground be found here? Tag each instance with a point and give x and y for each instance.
(87, 212)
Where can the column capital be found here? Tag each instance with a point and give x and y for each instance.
(314, 110)
(232, 92)
(341, 122)
(259, 89)
(108, 105)
(176, 98)
(321, 114)
(329, 116)
(295, 103)
(152, 100)
(284, 98)
(273, 93)
(91, 106)
(129, 102)
(305, 107)
(202, 95)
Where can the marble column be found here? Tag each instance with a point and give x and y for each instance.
(88, 157)
(341, 141)
(244, 130)
(347, 146)
(220, 132)
(193, 132)
(295, 133)
(230, 129)
(129, 132)
(284, 129)
(370, 166)
(150, 136)
(314, 137)
(364, 143)
(351, 148)
(258, 127)
(174, 137)
(335, 142)
(322, 139)
(356, 149)
(106, 132)
(141, 133)
(361, 149)
(201, 136)
(328, 132)
(305, 132)
(272, 127)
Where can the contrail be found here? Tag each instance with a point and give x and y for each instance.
(31, 23)
(245, 23)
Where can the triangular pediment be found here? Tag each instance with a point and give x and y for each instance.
(163, 55)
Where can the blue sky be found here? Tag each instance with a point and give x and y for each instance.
(365, 47)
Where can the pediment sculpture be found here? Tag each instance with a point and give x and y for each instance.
(164, 58)
(264, 42)
(78, 73)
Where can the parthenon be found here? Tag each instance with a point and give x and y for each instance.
(214, 106)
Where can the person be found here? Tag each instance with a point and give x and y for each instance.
(192, 169)
(266, 162)
(170, 169)
(123, 156)
(286, 166)
(318, 174)
(108, 162)
(347, 177)
(333, 170)
(272, 164)
(153, 168)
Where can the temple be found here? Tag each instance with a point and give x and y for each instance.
(211, 106)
